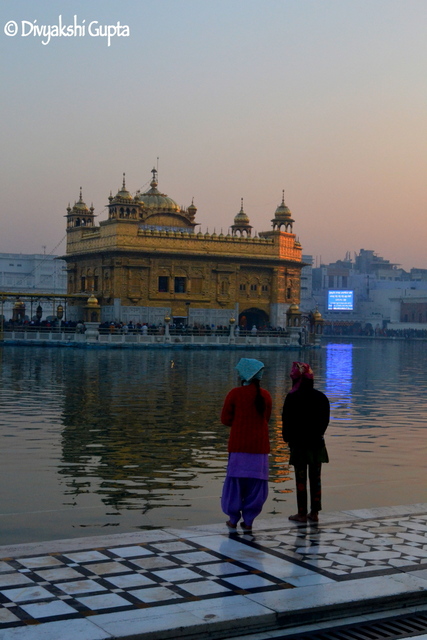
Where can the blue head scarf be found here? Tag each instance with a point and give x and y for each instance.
(250, 369)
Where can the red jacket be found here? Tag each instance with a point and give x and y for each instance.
(249, 430)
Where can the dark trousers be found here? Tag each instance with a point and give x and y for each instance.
(314, 471)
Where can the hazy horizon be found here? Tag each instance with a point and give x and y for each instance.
(239, 98)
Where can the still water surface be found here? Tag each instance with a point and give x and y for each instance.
(109, 441)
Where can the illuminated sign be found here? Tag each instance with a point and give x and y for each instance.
(340, 300)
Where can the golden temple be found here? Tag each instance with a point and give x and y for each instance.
(146, 261)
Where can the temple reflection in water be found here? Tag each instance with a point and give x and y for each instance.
(140, 428)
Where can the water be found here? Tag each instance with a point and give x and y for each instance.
(109, 441)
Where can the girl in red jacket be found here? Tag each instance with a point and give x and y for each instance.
(246, 410)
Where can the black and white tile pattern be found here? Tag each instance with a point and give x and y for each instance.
(348, 551)
(78, 584)
(154, 581)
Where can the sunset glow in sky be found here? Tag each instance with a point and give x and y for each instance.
(326, 99)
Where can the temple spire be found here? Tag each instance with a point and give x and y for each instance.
(154, 182)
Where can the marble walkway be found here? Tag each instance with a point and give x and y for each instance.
(202, 582)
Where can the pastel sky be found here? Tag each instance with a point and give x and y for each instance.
(326, 99)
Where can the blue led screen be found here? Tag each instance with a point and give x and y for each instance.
(340, 300)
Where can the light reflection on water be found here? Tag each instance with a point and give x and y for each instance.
(121, 438)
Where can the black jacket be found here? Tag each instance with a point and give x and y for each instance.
(305, 417)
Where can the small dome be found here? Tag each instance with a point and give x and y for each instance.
(293, 308)
(241, 218)
(124, 194)
(92, 301)
(192, 208)
(80, 205)
(155, 201)
(282, 211)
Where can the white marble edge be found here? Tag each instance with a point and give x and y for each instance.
(271, 525)
(78, 544)
(60, 630)
(202, 616)
(383, 512)
(263, 525)
(332, 624)
(362, 591)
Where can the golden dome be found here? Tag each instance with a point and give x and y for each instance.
(80, 205)
(123, 194)
(192, 209)
(92, 301)
(317, 316)
(155, 201)
(293, 308)
(283, 212)
(241, 218)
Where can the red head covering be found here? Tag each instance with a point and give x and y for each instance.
(299, 371)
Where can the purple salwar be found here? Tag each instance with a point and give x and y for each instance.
(246, 486)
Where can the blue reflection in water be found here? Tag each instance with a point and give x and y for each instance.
(339, 377)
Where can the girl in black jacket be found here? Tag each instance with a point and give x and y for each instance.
(305, 417)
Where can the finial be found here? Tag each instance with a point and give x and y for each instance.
(124, 182)
(241, 205)
(81, 195)
(283, 196)
(154, 180)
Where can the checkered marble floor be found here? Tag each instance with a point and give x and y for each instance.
(349, 550)
(161, 581)
(70, 585)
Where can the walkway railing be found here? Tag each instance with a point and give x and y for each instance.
(153, 336)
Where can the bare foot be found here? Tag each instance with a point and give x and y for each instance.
(313, 516)
(245, 527)
(230, 526)
(298, 518)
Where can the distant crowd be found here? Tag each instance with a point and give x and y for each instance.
(197, 329)
(369, 331)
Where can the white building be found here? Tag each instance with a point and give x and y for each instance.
(31, 273)
(381, 290)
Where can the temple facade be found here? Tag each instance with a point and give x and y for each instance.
(146, 261)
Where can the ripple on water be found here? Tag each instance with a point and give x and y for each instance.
(96, 433)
